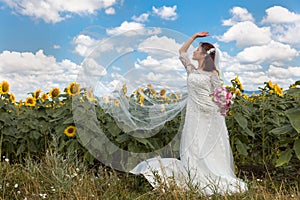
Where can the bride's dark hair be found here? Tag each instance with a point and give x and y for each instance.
(209, 64)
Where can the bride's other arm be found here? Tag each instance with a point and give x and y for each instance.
(215, 80)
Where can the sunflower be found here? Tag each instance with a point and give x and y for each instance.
(142, 89)
(44, 97)
(238, 92)
(237, 80)
(20, 103)
(89, 94)
(73, 89)
(241, 87)
(150, 86)
(142, 100)
(245, 96)
(293, 86)
(54, 92)
(30, 101)
(117, 103)
(162, 92)
(4, 87)
(270, 85)
(153, 92)
(12, 98)
(70, 131)
(124, 89)
(106, 99)
(278, 90)
(37, 93)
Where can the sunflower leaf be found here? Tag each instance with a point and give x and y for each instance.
(284, 158)
(297, 148)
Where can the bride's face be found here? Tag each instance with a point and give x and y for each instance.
(199, 54)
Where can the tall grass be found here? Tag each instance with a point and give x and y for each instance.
(69, 177)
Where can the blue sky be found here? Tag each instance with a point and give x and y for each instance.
(43, 44)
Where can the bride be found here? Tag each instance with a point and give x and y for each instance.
(206, 160)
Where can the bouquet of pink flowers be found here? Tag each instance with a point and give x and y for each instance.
(223, 99)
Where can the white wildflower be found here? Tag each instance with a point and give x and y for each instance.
(43, 196)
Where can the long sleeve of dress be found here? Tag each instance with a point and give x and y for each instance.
(186, 63)
(215, 82)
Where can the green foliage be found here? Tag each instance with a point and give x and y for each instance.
(65, 177)
(264, 129)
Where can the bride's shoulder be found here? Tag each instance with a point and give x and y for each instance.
(215, 72)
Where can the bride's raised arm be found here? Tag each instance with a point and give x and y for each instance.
(182, 51)
(188, 43)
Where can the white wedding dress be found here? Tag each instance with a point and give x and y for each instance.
(206, 160)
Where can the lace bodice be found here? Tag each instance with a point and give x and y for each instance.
(201, 85)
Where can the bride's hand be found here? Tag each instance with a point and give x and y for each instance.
(201, 34)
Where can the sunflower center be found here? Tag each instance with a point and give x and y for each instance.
(5, 88)
(74, 89)
(37, 94)
(70, 130)
(55, 93)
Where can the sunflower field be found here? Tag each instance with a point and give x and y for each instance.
(264, 128)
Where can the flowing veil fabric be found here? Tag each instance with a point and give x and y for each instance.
(138, 80)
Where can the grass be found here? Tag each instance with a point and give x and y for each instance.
(67, 177)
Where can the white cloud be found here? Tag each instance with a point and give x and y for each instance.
(149, 61)
(231, 64)
(285, 24)
(238, 67)
(89, 44)
(290, 34)
(26, 72)
(124, 27)
(267, 49)
(278, 14)
(165, 12)
(160, 65)
(53, 11)
(283, 73)
(238, 15)
(85, 45)
(249, 74)
(273, 52)
(142, 18)
(253, 76)
(159, 46)
(246, 34)
(250, 80)
(110, 11)
(56, 46)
